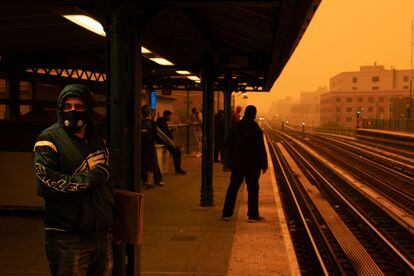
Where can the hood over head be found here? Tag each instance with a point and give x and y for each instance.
(75, 90)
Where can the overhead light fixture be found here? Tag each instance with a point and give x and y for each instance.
(145, 50)
(87, 22)
(194, 78)
(183, 72)
(162, 61)
(198, 81)
(94, 26)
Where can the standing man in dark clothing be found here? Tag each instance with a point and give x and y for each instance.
(247, 157)
(74, 178)
(150, 167)
(166, 137)
(219, 135)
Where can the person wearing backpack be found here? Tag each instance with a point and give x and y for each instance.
(247, 158)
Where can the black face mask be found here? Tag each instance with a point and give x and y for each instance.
(75, 120)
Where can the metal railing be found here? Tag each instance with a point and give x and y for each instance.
(184, 137)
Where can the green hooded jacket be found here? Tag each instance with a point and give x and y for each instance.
(73, 175)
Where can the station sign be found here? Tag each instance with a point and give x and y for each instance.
(153, 99)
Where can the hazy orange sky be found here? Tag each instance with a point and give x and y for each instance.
(343, 35)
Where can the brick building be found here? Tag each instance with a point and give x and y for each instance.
(370, 90)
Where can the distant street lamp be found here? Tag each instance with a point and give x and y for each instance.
(357, 117)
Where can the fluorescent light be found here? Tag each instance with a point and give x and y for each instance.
(94, 26)
(162, 61)
(87, 23)
(194, 78)
(145, 50)
(198, 81)
(183, 72)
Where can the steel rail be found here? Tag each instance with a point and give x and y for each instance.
(355, 210)
(366, 172)
(304, 221)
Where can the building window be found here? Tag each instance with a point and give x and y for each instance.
(375, 79)
(349, 100)
(405, 87)
(381, 99)
(375, 88)
(354, 88)
(25, 88)
(3, 111)
(338, 109)
(354, 79)
(24, 108)
(338, 119)
(360, 99)
(3, 89)
(370, 99)
(349, 109)
(349, 119)
(370, 109)
(381, 109)
(338, 100)
(405, 78)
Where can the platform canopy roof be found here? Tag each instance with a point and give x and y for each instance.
(249, 40)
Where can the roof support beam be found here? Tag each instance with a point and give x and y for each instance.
(289, 34)
(194, 29)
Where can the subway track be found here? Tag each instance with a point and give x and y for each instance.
(380, 245)
(399, 160)
(383, 177)
(393, 149)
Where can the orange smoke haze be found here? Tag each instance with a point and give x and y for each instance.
(342, 36)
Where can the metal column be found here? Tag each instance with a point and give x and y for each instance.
(227, 117)
(207, 196)
(124, 62)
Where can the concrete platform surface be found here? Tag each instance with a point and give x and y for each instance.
(180, 238)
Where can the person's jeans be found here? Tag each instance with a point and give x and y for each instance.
(218, 148)
(252, 181)
(157, 172)
(176, 155)
(71, 254)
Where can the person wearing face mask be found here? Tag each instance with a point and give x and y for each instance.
(73, 176)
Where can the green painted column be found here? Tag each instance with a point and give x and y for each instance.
(124, 121)
(207, 193)
(227, 115)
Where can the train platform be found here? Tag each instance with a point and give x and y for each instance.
(180, 238)
(396, 134)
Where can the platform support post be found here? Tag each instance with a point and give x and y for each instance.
(227, 92)
(207, 193)
(124, 117)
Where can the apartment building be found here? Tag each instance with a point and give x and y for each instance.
(369, 90)
(307, 110)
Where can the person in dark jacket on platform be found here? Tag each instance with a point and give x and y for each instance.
(166, 137)
(73, 176)
(149, 160)
(247, 158)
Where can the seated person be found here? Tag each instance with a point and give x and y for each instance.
(165, 137)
